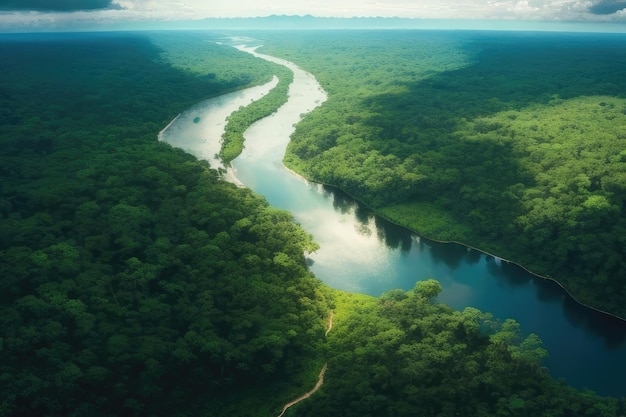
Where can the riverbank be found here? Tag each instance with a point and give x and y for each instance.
(507, 168)
(356, 255)
(238, 121)
(394, 221)
(208, 120)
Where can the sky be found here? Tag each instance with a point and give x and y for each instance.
(27, 15)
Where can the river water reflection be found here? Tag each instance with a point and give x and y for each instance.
(362, 253)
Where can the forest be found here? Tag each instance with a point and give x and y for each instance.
(514, 144)
(134, 279)
(136, 282)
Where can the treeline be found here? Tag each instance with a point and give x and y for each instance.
(207, 57)
(510, 142)
(239, 121)
(403, 354)
(134, 281)
(196, 54)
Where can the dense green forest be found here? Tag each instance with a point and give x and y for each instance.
(404, 355)
(515, 144)
(135, 282)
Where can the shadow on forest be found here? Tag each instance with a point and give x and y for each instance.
(511, 71)
(89, 191)
(437, 121)
(470, 167)
(612, 331)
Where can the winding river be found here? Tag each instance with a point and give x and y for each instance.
(363, 253)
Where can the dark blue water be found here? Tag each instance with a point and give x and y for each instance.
(586, 347)
(360, 252)
(364, 253)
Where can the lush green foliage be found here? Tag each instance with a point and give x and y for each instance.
(405, 355)
(239, 121)
(195, 55)
(134, 281)
(513, 143)
(205, 57)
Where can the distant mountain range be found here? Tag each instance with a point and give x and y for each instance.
(309, 22)
(314, 22)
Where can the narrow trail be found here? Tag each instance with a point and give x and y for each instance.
(320, 379)
(330, 323)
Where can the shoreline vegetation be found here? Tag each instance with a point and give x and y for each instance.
(135, 280)
(418, 233)
(233, 143)
(240, 120)
(195, 298)
(531, 167)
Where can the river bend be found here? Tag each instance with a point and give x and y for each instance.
(363, 253)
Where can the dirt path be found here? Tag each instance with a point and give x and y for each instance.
(330, 323)
(320, 379)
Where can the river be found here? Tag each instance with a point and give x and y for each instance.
(363, 253)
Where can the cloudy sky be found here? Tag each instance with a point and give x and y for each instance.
(68, 14)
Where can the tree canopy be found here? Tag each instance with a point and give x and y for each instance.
(509, 142)
(403, 354)
(136, 282)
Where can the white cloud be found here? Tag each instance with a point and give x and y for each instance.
(149, 10)
(445, 9)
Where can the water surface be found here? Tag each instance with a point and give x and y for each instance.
(196, 129)
(360, 252)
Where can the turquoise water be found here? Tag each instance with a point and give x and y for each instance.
(371, 256)
(362, 253)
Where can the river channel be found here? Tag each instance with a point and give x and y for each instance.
(360, 252)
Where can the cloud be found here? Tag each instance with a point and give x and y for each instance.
(38, 15)
(57, 5)
(604, 7)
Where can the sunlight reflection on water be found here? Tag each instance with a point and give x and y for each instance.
(206, 121)
(362, 253)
